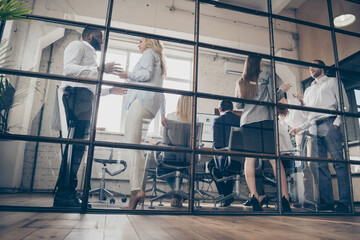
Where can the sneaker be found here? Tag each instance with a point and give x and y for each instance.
(325, 207)
(342, 208)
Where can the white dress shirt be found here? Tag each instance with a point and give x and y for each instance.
(147, 72)
(80, 61)
(323, 94)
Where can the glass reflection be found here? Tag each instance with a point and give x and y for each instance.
(233, 29)
(173, 19)
(30, 172)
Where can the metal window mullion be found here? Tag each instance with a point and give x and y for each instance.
(276, 126)
(194, 105)
(95, 110)
(338, 76)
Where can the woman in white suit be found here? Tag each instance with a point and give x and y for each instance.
(149, 71)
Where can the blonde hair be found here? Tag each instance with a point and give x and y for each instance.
(183, 109)
(248, 82)
(156, 46)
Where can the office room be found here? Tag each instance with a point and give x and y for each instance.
(181, 107)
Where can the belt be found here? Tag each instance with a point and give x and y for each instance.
(320, 121)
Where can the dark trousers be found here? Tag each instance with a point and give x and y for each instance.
(226, 188)
(329, 140)
(78, 108)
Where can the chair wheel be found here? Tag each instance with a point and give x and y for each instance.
(123, 199)
(112, 201)
(104, 198)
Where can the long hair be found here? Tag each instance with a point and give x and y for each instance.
(183, 109)
(248, 82)
(156, 46)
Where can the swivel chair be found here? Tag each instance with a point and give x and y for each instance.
(175, 164)
(234, 164)
(102, 190)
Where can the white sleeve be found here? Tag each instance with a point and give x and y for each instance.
(338, 120)
(147, 64)
(72, 57)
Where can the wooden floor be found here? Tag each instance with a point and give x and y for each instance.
(20, 225)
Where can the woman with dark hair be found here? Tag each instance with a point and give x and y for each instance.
(256, 84)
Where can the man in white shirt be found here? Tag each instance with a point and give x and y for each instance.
(80, 61)
(324, 93)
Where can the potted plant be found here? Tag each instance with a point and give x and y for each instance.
(9, 10)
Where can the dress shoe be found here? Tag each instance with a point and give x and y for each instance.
(136, 196)
(255, 204)
(247, 203)
(342, 208)
(228, 202)
(66, 200)
(285, 205)
(325, 207)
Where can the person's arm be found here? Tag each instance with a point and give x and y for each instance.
(237, 104)
(146, 71)
(162, 110)
(337, 122)
(72, 57)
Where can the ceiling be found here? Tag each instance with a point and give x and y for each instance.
(261, 5)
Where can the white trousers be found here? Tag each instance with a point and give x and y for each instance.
(133, 132)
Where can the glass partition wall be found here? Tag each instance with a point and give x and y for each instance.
(174, 153)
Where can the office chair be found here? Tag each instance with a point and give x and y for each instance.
(102, 190)
(238, 141)
(176, 164)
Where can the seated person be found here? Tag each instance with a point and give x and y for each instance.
(183, 113)
(221, 134)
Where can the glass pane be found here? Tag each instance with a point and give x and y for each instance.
(306, 10)
(343, 9)
(73, 10)
(158, 17)
(38, 107)
(352, 86)
(349, 54)
(30, 170)
(225, 71)
(233, 29)
(355, 170)
(297, 41)
(48, 48)
(116, 172)
(353, 137)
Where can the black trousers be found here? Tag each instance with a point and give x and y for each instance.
(78, 108)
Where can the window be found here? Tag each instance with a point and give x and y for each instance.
(111, 116)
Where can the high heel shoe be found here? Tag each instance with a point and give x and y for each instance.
(285, 205)
(255, 204)
(135, 197)
(265, 201)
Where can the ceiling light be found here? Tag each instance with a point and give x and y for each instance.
(344, 20)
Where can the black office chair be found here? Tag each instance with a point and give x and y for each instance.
(176, 164)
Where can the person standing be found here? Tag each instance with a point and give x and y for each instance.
(149, 71)
(324, 93)
(256, 84)
(80, 61)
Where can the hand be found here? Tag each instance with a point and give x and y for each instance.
(118, 91)
(336, 127)
(112, 68)
(285, 86)
(295, 131)
(163, 120)
(123, 74)
(299, 97)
